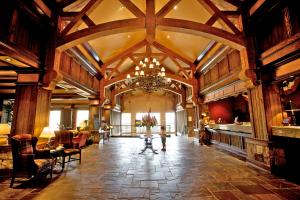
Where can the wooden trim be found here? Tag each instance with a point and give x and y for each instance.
(124, 54)
(150, 20)
(256, 6)
(171, 53)
(114, 27)
(280, 50)
(132, 8)
(195, 28)
(19, 54)
(88, 21)
(167, 8)
(221, 15)
(43, 7)
(90, 5)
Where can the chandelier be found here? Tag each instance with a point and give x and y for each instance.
(148, 76)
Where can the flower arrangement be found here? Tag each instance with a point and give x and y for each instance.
(148, 121)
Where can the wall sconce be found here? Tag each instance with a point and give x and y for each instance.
(190, 118)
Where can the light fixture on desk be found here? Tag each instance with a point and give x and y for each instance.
(47, 133)
(4, 132)
(149, 76)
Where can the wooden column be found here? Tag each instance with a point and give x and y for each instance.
(190, 120)
(73, 117)
(31, 109)
(94, 117)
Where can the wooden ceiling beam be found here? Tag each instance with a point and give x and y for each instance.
(195, 28)
(88, 21)
(116, 68)
(180, 68)
(109, 28)
(171, 53)
(68, 16)
(205, 52)
(89, 6)
(43, 7)
(229, 13)
(167, 8)
(150, 21)
(213, 8)
(212, 20)
(124, 54)
(132, 8)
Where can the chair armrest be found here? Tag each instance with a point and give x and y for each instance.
(76, 145)
(42, 153)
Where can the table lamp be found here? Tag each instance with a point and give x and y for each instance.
(4, 131)
(47, 133)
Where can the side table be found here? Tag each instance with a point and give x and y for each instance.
(56, 154)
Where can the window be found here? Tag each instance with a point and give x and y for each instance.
(126, 123)
(82, 117)
(54, 119)
(170, 122)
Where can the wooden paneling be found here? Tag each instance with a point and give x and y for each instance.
(273, 106)
(234, 60)
(221, 70)
(229, 90)
(70, 68)
(223, 67)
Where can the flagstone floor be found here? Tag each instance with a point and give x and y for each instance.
(115, 170)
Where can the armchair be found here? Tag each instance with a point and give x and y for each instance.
(27, 160)
(80, 139)
(70, 148)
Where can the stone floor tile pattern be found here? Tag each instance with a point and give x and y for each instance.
(116, 170)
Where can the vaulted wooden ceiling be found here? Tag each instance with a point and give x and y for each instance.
(115, 34)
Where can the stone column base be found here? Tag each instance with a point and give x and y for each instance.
(258, 153)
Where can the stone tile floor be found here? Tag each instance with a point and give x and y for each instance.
(115, 170)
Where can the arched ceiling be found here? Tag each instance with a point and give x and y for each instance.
(122, 32)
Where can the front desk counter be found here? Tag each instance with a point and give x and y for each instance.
(286, 131)
(230, 137)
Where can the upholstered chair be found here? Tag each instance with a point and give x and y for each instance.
(28, 162)
(71, 149)
(80, 139)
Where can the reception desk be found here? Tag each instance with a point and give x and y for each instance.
(230, 137)
(286, 131)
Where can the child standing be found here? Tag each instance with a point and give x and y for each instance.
(163, 137)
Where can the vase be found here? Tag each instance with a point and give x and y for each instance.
(148, 130)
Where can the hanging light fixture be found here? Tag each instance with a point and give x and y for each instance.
(149, 76)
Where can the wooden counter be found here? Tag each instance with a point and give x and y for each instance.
(230, 137)
(232, 127)
(286, 131)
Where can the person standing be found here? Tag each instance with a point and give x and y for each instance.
(163, 137)
(201, 130)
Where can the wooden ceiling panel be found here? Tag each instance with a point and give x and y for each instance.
(109, 11)
(189, 10)
(188, 46)
(111, 45)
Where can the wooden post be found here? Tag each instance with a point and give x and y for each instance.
(31, 109)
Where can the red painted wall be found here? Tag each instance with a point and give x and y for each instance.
(221, 109)
(228, 109)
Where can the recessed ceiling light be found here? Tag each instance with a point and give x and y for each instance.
(175, 7)
(122, 7)
(8, 59)
(168, 36)
(129, 36)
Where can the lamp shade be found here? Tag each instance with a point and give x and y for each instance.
(47, 133)
(4, 129)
